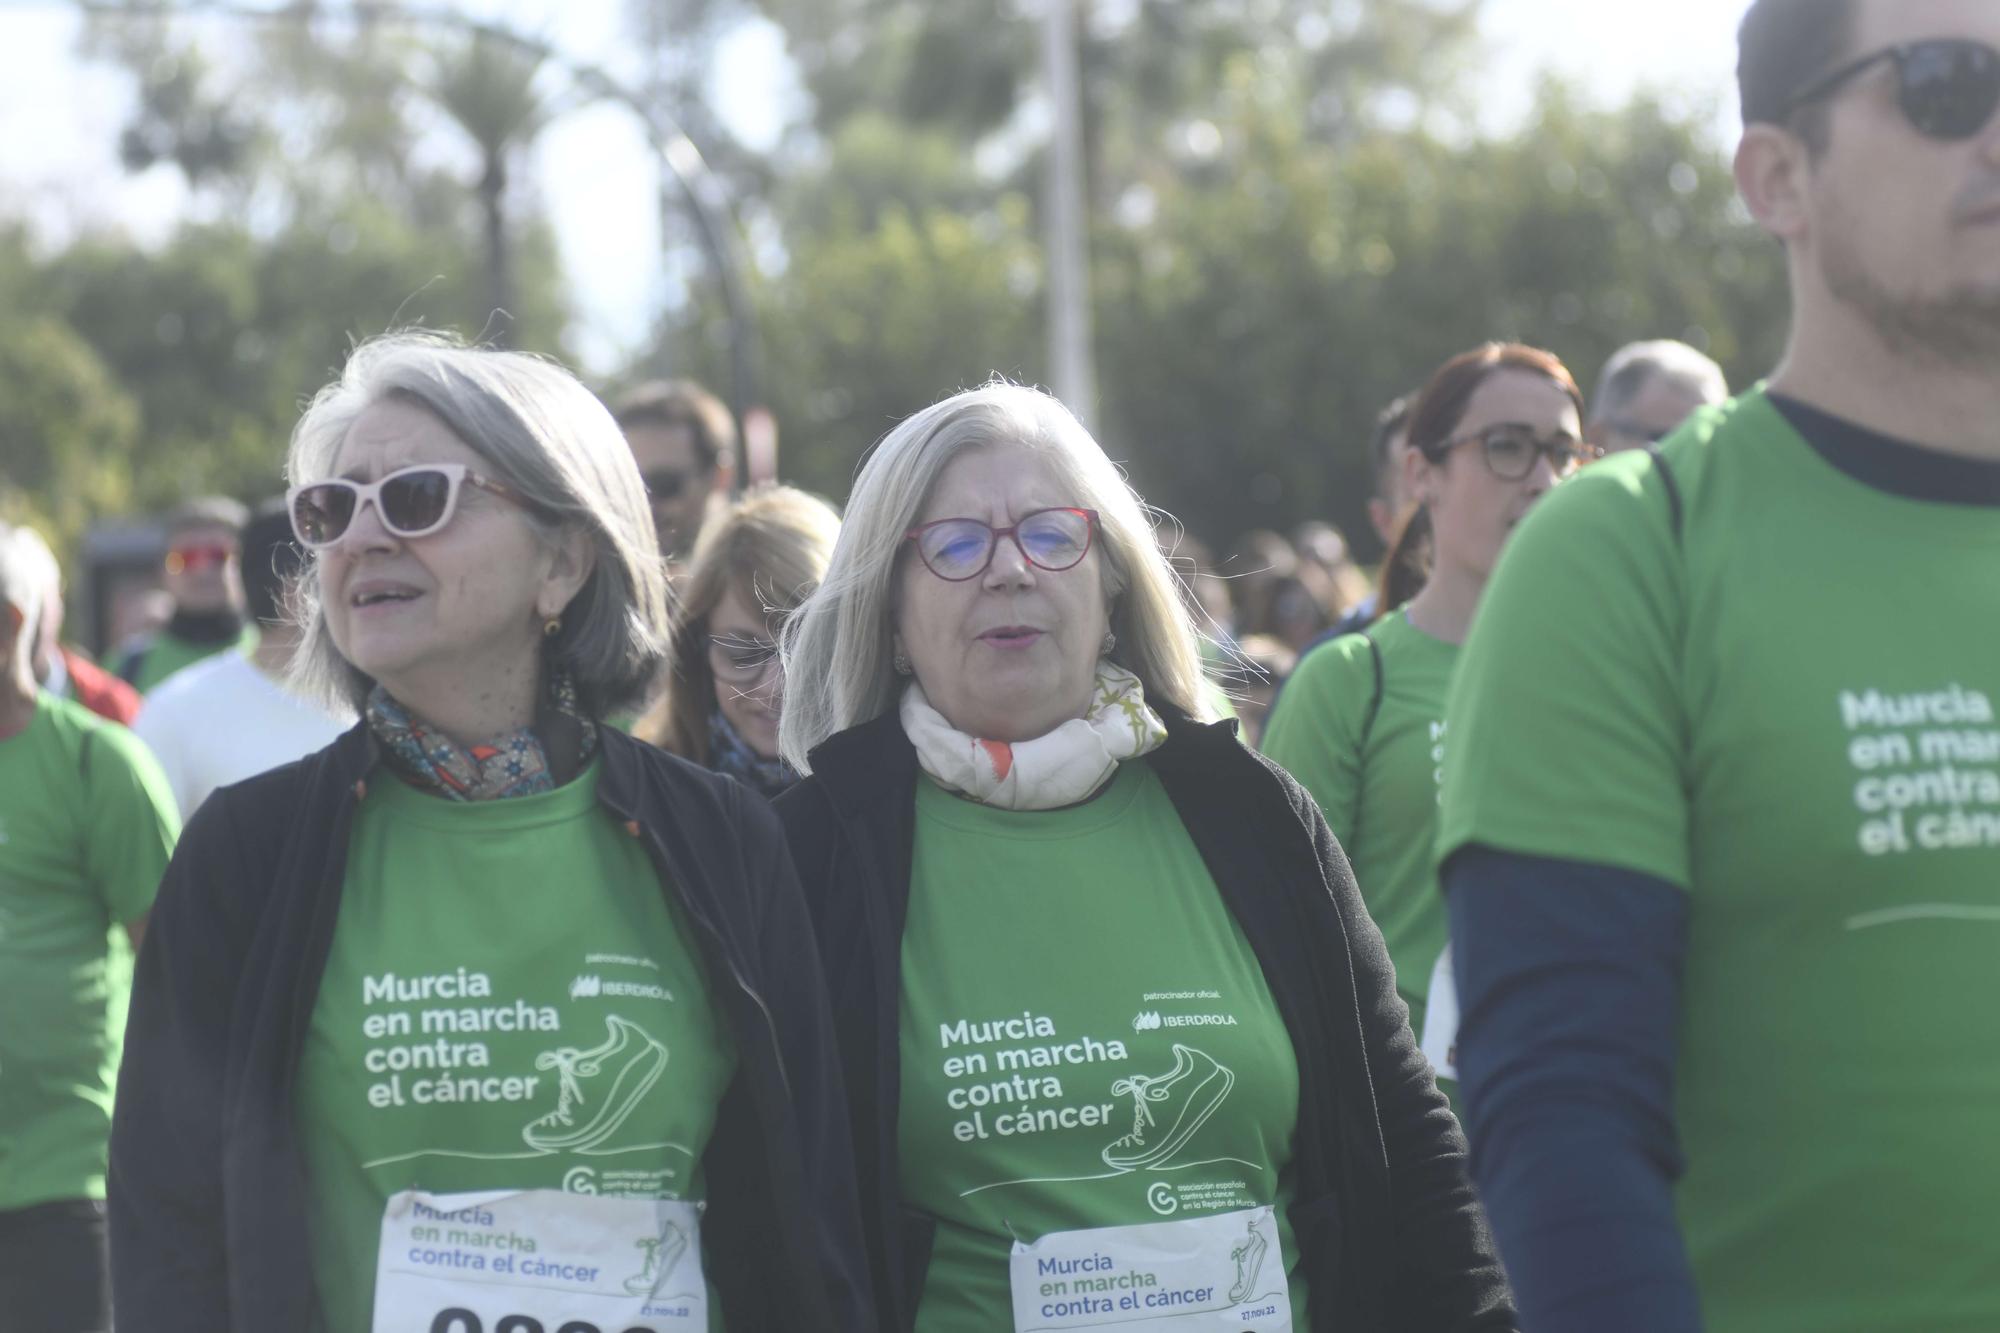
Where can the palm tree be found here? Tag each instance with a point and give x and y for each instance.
(487, 84)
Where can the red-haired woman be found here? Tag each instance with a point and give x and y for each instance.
(1362, 723)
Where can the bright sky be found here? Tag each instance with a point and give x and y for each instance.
(60, 117)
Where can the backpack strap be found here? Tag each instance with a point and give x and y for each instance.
(1367, 724)
(1673, 489)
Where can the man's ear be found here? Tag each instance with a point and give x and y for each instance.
(1773, 173)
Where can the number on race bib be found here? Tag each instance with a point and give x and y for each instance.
(465, 1321)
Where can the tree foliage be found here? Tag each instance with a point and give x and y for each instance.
(1290, 228)
(181, 367)
(1291, 222)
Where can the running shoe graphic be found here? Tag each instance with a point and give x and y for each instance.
(662, 1253)
(1249, 1259)
(607, 1081)
(1168, 1108)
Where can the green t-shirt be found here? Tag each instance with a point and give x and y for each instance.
(86, 826)
(164, 654)
(506, 988)
(1789, 713)
(1376, 780)
(1055, 967)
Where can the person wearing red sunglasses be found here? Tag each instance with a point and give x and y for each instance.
(201, 573)
(1720, 834)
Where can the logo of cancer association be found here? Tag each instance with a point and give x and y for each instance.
(1147, 1021)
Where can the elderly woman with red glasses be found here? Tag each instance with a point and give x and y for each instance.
(487, 1016)
(1122, 1045)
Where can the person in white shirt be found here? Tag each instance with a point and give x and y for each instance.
(231, 716)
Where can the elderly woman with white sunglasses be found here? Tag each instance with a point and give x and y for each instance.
(487, 1017)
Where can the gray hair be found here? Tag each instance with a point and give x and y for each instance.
(553, 442)
(1635, 365)
(838, 646)
(25, 567)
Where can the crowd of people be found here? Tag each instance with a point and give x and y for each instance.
(530, 883)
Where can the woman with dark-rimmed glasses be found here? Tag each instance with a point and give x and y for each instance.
(755, 562)
(1361, 723)
(1120, 1040)
(487, 1016)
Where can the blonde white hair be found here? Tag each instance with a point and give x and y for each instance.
(838, 647)
(26, 565)
(549, 438)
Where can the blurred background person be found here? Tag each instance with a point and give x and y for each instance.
(234, 715)
(684, 441)
(1362, 723)
(1264, 662)
(1326, 565)
(86, 826)
(202, 575)
(1388, 442)
(1019, 809)
(1647, 389)
(1278, 592)
(756, 561)
(485, 587)
(62, 669)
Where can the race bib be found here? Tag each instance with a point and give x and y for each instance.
(1221, 1271)
(538, 1261)
(1440, 1040)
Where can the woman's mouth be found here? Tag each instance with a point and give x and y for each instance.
(379, 593)
(1011, 637)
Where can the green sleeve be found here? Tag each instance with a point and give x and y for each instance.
(133, 822)
(1568, 730)
(1315, 732)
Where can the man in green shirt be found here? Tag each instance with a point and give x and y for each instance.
(86, 826)
(202, 573)
(1721, 823)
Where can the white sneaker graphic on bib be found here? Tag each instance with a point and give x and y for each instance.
(662, 1253)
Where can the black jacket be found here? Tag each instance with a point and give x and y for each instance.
(1388, 1229)
(208, 1191)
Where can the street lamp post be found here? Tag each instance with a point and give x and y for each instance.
(1068, 255)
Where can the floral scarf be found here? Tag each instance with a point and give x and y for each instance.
(517, 764)
(729, 753)
(1050, 771)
